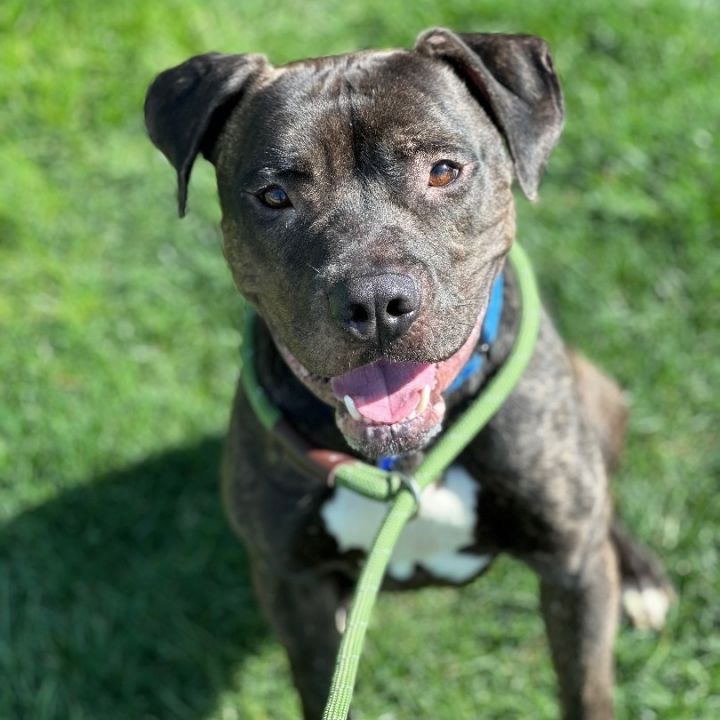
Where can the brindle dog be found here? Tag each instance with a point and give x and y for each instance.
(367, 211)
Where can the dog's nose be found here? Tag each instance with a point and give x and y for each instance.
(378, 307)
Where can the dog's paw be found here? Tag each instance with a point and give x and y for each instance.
(647, 606)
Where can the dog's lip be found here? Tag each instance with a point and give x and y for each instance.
(374, 439)
(393, 394)
(408, 431)
(384, 392)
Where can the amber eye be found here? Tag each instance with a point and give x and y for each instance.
(275, 197)
(443, 173)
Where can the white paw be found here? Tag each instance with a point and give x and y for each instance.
(646, 607)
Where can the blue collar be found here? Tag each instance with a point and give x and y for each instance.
(488, 335)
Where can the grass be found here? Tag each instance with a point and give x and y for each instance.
(122, 593)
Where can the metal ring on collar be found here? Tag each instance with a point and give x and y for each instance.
(409, 483)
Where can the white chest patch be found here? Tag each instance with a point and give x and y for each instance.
(444, 524)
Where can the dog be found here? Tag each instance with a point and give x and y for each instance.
(367, 213)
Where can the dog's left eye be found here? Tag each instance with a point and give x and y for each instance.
(443, 173)
(274, 197)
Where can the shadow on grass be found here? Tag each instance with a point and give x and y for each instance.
(126, 598)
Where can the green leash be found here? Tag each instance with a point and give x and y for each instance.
(383, 485)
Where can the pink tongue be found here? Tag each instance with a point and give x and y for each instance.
(385, 392)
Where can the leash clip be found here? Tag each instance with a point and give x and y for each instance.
(408, 482)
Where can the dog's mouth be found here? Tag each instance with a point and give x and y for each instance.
(385, 407)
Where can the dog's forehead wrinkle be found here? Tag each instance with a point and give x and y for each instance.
(359, 109)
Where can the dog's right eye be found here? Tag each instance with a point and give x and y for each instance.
(274, 197)
(443, 173)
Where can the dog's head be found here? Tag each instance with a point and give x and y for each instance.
(367, 205)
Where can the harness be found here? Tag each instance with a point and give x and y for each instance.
(384, 483)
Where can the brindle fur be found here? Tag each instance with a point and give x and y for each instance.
(341, 127)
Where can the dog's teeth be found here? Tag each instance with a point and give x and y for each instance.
(424, 400)
(350, 405)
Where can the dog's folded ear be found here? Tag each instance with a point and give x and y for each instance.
(513, 78)
(187, 106)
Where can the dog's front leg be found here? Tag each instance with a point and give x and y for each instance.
(580, 611)
(305, 610)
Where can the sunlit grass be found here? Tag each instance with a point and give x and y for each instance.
(122, 593)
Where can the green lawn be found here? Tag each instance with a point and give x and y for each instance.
(123, 596)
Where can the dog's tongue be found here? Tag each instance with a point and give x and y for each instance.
(385, 392)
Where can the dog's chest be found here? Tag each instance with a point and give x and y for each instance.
(432, 541)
